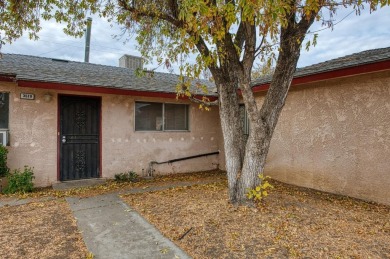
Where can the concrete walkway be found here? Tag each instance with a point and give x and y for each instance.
(111, 229)
(14, 201)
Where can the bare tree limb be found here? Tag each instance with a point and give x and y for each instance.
(200, 44)
(239, 39)
(207, 103)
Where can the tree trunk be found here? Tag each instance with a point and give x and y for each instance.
(244, 167)
(232, 134)
(230, 61)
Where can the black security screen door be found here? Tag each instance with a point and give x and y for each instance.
(79, 137)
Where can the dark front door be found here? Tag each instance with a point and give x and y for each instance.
(79, 137)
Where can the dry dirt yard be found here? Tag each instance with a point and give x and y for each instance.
(47, 229)
(44, 229)
(290, 223)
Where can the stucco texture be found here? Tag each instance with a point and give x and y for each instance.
(334, 136)
(33, 133)
(33, 126)
(127, 149)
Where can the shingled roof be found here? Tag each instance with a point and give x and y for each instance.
(39, 69)
(354, 60)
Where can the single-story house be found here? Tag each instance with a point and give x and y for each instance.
(73, 120)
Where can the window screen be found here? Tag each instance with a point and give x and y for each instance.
(4, 110)
(176, 117)
(148, 116)
(160, 116)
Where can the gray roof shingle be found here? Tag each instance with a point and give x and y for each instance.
(31, 68)
(39, 69)
(353, 60)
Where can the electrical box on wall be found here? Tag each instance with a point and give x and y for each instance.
(4, 137)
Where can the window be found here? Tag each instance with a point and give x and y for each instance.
(160, 116)
(175, 116)
(244, 120)
(4, 110)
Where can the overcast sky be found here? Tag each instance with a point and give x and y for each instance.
(351, 34)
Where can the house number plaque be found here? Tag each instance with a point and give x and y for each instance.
(27, 96)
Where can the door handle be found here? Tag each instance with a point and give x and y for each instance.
(64, 139)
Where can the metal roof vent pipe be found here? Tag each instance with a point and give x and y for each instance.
(88, 39)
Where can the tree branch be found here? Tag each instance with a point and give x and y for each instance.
(239, 39)
(306, 21)
(163, 16)
(247, 63)
(249, 49)
(257, 50)
(204, 102)
(200, 44)
(204, 50)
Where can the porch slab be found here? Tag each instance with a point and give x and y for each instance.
(78, 183)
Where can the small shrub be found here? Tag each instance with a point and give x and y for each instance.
(20, 181)
(4, 170)
(130, 176)
(260, 191)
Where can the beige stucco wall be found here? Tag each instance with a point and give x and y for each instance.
(126, 149)
(334, 136)
(33, 134)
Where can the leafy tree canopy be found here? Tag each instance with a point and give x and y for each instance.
(171, 30)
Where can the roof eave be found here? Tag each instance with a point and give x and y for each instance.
(332, 74)
(99, 89)
(7, 77)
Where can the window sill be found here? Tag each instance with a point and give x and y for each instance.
(160, 131)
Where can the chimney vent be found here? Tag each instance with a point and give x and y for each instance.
(131, 62)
